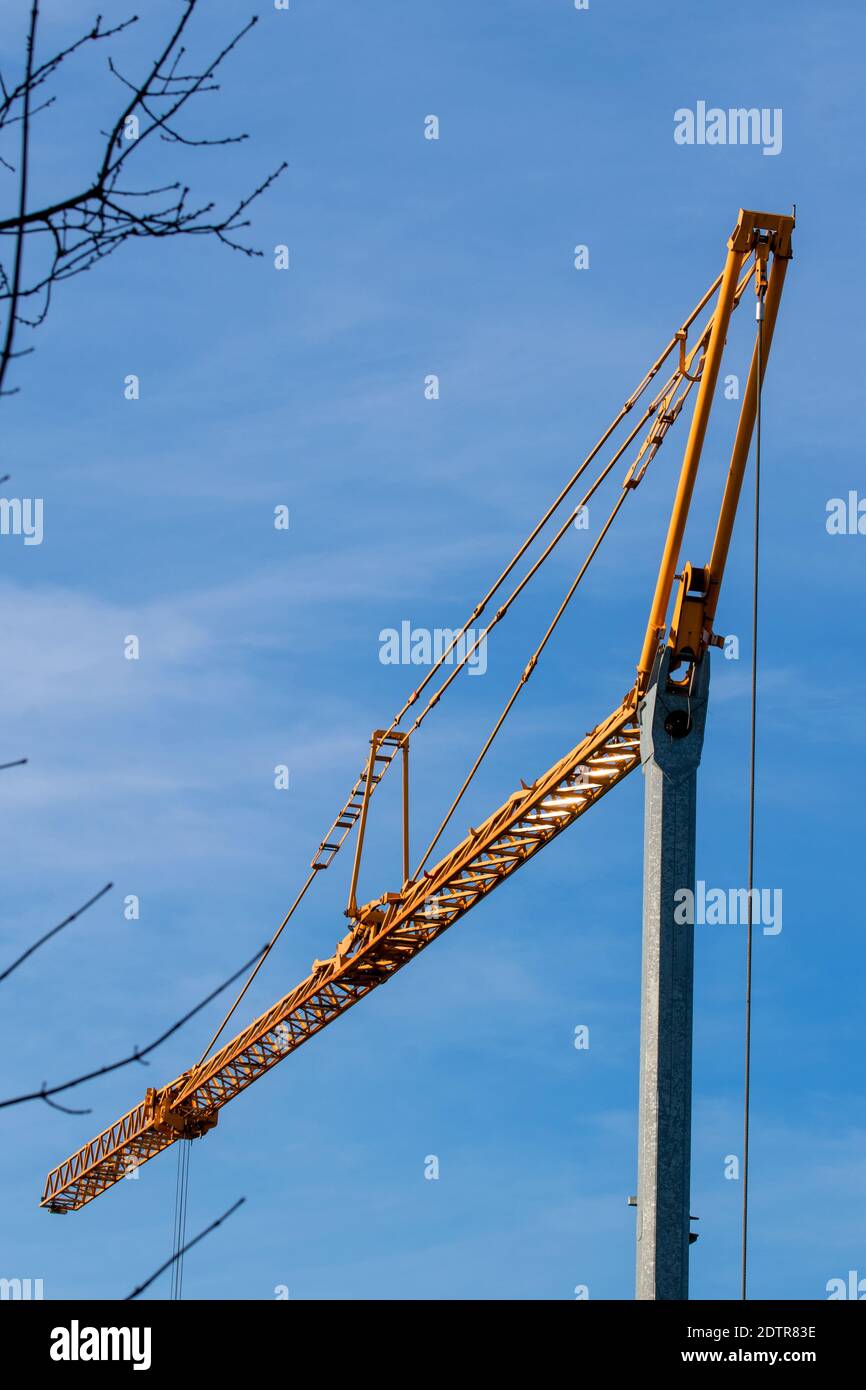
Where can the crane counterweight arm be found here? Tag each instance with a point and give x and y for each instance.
(386, 935)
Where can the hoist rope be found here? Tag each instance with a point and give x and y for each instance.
(181, 1195)
(752, 759)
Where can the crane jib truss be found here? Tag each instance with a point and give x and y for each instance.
(387, 933)
(392, 933)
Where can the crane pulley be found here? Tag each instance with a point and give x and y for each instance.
(389, 931)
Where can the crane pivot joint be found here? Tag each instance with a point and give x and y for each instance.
(689, 636)
(186, 1124)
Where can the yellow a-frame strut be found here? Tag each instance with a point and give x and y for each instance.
(390, 931)
(764, 234)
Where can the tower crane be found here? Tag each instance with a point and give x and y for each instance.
(658, 723)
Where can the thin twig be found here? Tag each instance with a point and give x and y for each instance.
(54, 930)
(73, 234)
(179, 1253)
(15, 288)
(137, 1055)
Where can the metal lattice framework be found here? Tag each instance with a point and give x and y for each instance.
(387, 935)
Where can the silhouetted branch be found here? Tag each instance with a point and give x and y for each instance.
(12, 290)
(54, 930)
(180, 1253)
(72, 234)
(66, 1109)
(137, 1055)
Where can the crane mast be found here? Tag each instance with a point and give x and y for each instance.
(662, 711)
(674, 680)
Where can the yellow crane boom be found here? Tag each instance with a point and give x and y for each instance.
(386, 934)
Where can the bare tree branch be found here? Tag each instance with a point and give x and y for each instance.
(14, 289)
(54, 930)
(180, 1253)
(72, 234)
(138, 1055)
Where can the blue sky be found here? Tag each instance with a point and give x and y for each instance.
(259, 647)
